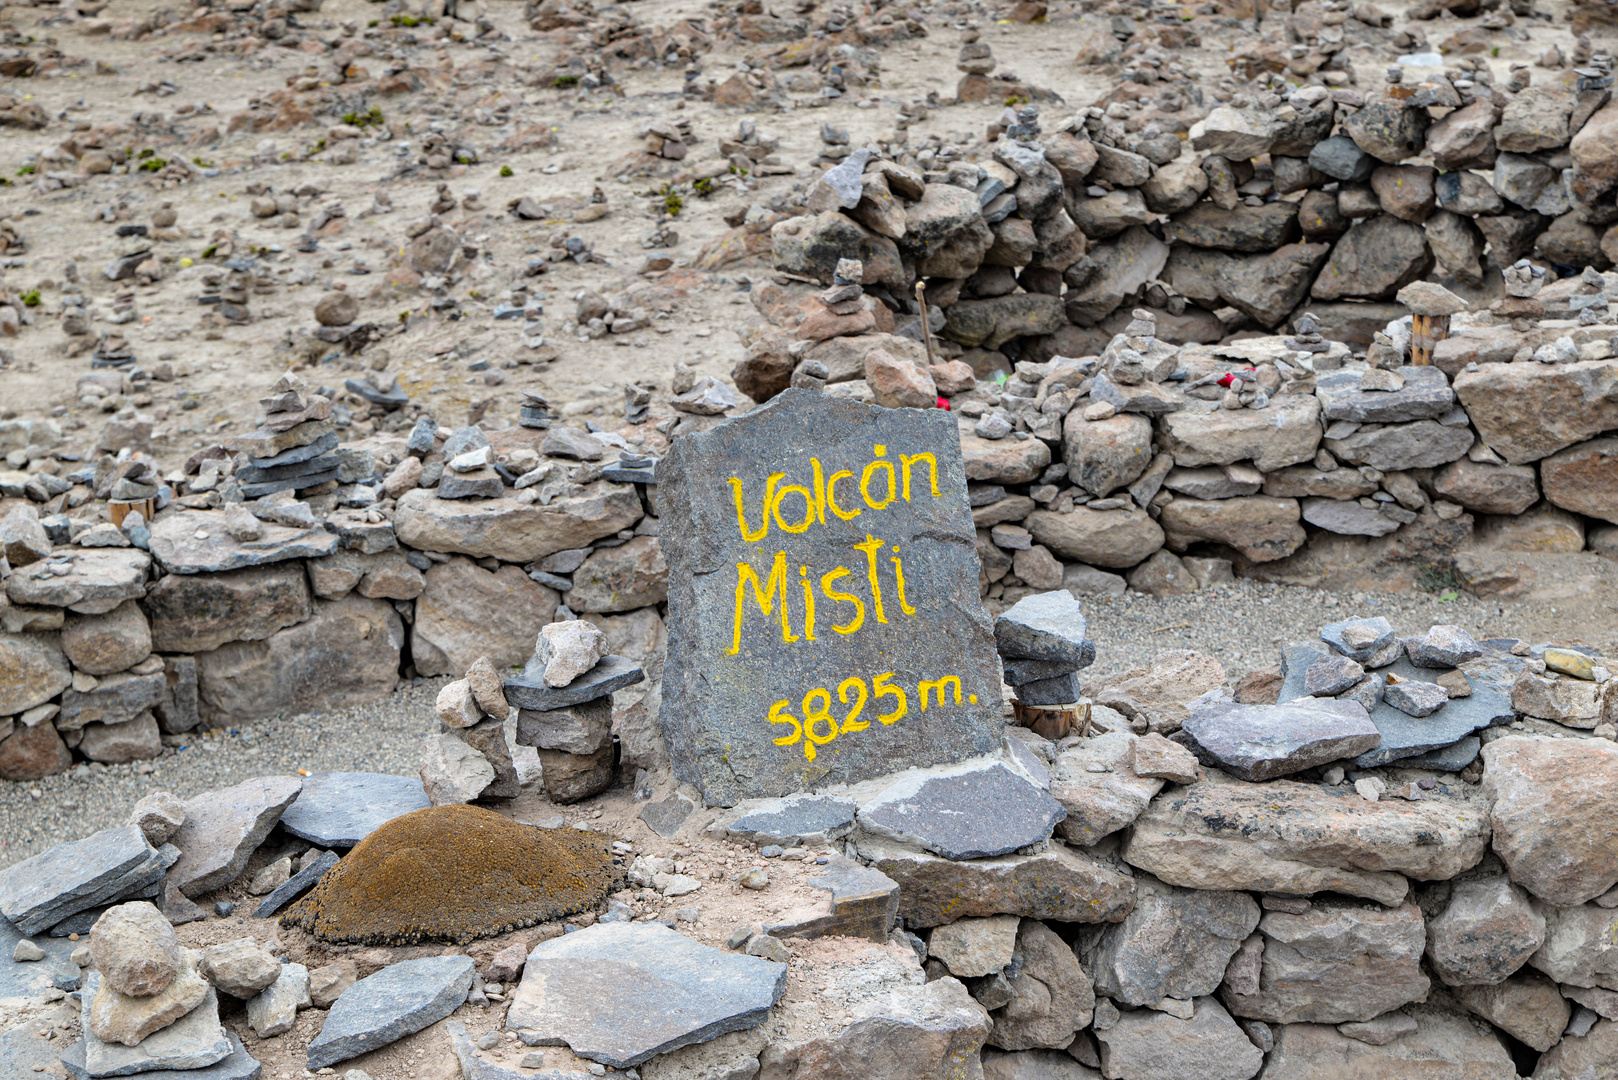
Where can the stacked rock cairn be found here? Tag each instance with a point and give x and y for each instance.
(294, 447)
(1041, 640)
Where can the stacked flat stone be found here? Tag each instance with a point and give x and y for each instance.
(564, 702)
(1041, 639)
(294, 448)
(535, 410)
(468, 759)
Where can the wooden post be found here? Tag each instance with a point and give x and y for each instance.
(926, 331)
(1426, 331)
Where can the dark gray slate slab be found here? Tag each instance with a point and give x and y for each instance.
(41, 891)
(78, 924)
(33, 978)
(339, 809)
(1407, 736)
(622, 993)
(296, 885)
(240, 1065)
(1262, 742)
(806, 819)
(399, 1000)
(323, 445)
(1046, 626)
(529, 690)
(720, 687)
(1425, 396)
(476, 1067)
(1342, 637)
(194, 1041)
(1449, 759)
(665, 816)
(1062, 690)
(22, 1051)
(968, 813)
(223, 828)
(1019, 672)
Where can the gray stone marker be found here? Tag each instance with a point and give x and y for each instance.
(399, 1000)
(194, 1041)
(240, 1065)
(1405, 736)
(622, 993)
(1262, 742)
(1426, 395)
(972, 813)
(41, 891)
(339, 809)
(859, 514)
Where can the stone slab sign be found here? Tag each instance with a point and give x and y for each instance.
(399, 1000)
(824, 620)
(339, 809)
(622, 993)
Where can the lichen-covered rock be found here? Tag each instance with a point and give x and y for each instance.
(1555, 821)
(390, 890)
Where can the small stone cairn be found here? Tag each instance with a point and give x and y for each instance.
(294, 447)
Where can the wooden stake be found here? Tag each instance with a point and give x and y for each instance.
(926, 331)
(1426, 331)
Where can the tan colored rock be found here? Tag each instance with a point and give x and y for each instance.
(345, 653)
(1484, 488)
(1003, 461)
(240, 968)
(1526, 1006)
(975, 947)
(1208, 1046)
(1287, 432)
(467, 612)
(1445, 1046)
(1290, 837)
(456, 706)
(1544, 529)
(488, 688)
(1582, 478)
(1260, 527)
(899, 384)
(1526, 412)
(1487, 930)
(1100, 802)
(121, 1018)
(512, 531)
(623, 578)
(1051, 995)
(570, 777)
(1158, 698)
(1105, 455)
(159, 815)
(336, 309)
(326, 984)
(134, 948)
(1588, 1055)
(104, 644)
(1113, 538)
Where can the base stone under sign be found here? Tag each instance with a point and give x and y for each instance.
(824, 619)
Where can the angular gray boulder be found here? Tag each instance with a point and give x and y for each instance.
(399, 1000)
(1262, 742)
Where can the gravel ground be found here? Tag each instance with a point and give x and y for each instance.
(1242, 625)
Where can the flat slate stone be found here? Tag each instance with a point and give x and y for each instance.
(530, 691)
(41, 891)
(296, 885)
(1339, 635)
(197, 542)
(795, 497)
(399, 1000)
(323, 445)
(240, 1065)
(968, 812)
(1046, 626)
(1021, 672)
(98, 580)
(339, 809)
(1404, 736)
(864, 903)
(1262, 742)
(1452, 758)
(223, 828)
(194, 1041)
(1426, 395)
(804, 819)
(665, 816)
(33, 978)
(622, 993)
(24, 1053)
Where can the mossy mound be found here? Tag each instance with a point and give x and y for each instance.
(456, 873)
